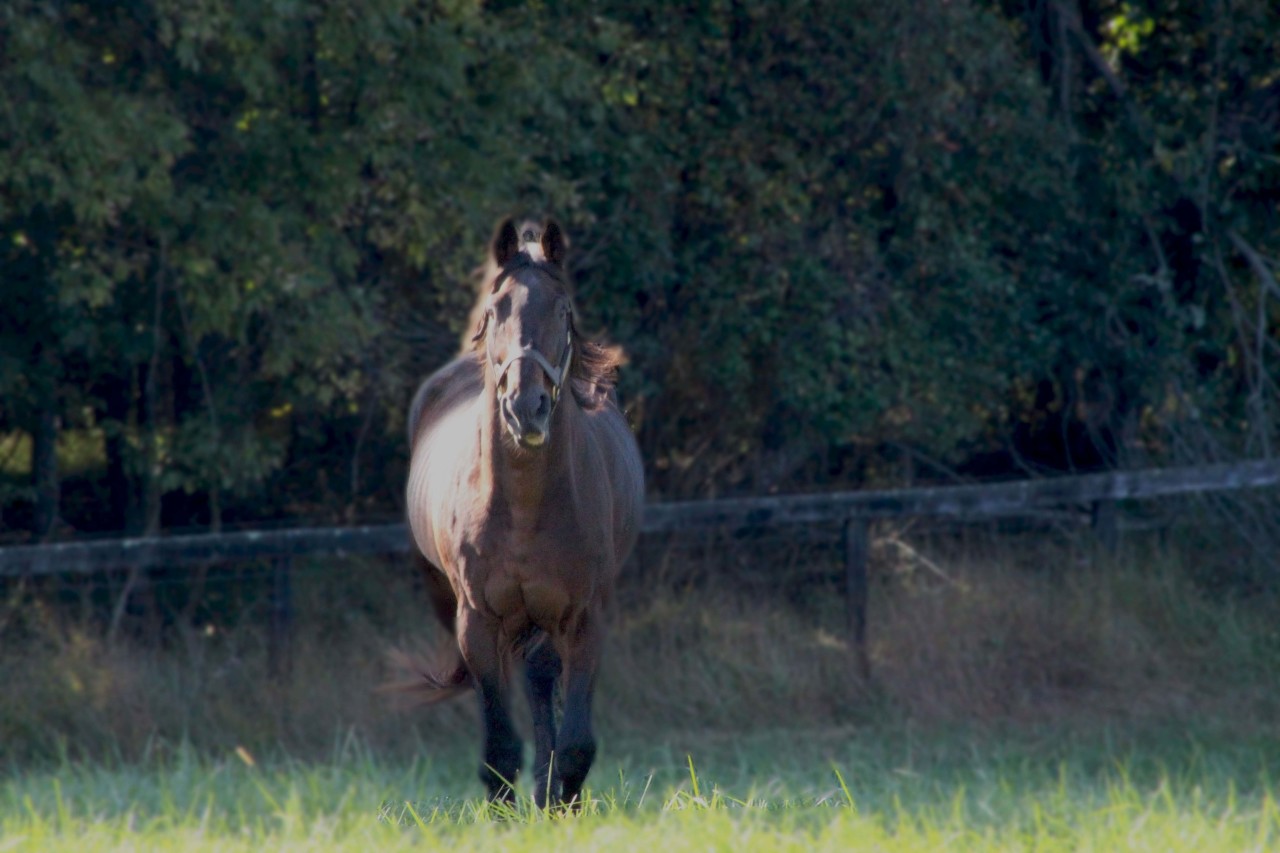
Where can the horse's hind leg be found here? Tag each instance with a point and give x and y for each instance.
(542, 668)
(478, 640)
(576, 743)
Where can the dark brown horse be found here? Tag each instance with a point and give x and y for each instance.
(524, 497)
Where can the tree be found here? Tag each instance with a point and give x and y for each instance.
(831, 235)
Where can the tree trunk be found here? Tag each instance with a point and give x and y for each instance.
(44, 471)
(116, 421)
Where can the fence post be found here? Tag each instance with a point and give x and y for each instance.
(1105, 525)
(281, 600)
(856, 536)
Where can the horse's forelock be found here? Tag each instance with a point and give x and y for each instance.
(491, 278)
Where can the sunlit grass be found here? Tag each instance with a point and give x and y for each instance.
(833, 789)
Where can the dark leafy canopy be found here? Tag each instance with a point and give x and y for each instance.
(833, 236)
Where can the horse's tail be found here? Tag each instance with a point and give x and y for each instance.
(423, 683)
(421, 679)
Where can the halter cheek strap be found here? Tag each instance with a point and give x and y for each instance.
(557, 374)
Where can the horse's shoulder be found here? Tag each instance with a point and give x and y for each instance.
(615, 448)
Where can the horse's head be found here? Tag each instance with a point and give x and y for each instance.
(526, 331)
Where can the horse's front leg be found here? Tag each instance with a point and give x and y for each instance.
(542, 668)
(576, 743)
(478, 641)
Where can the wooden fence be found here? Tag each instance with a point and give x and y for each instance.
(852, 510)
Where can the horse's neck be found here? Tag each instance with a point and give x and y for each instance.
(520, 481)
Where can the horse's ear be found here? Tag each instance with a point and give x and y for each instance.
(553, 243)
(506, 242)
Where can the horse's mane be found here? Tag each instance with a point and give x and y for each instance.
(593, 374)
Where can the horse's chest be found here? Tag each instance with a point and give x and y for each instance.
(527, 576)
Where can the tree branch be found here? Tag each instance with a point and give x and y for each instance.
(1261, 268)
(1071, 17)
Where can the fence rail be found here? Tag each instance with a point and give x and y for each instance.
(980, 501)
(973, 502)
(853, 510)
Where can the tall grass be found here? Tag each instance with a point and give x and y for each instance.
(1010, 637)
(1022, 699)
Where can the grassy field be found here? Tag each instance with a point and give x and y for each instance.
(888, 788)
(1037, 700)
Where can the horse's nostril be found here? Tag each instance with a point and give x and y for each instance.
(544, 404)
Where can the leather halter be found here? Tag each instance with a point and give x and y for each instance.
(557, 374)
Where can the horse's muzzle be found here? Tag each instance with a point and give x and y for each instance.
(527, 417)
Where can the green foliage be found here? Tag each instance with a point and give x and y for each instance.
(235, 235)
(198, 204)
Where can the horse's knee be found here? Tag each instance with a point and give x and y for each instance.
(576, 760)
(542, 665)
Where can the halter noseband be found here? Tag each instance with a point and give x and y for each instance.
(557, 374)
